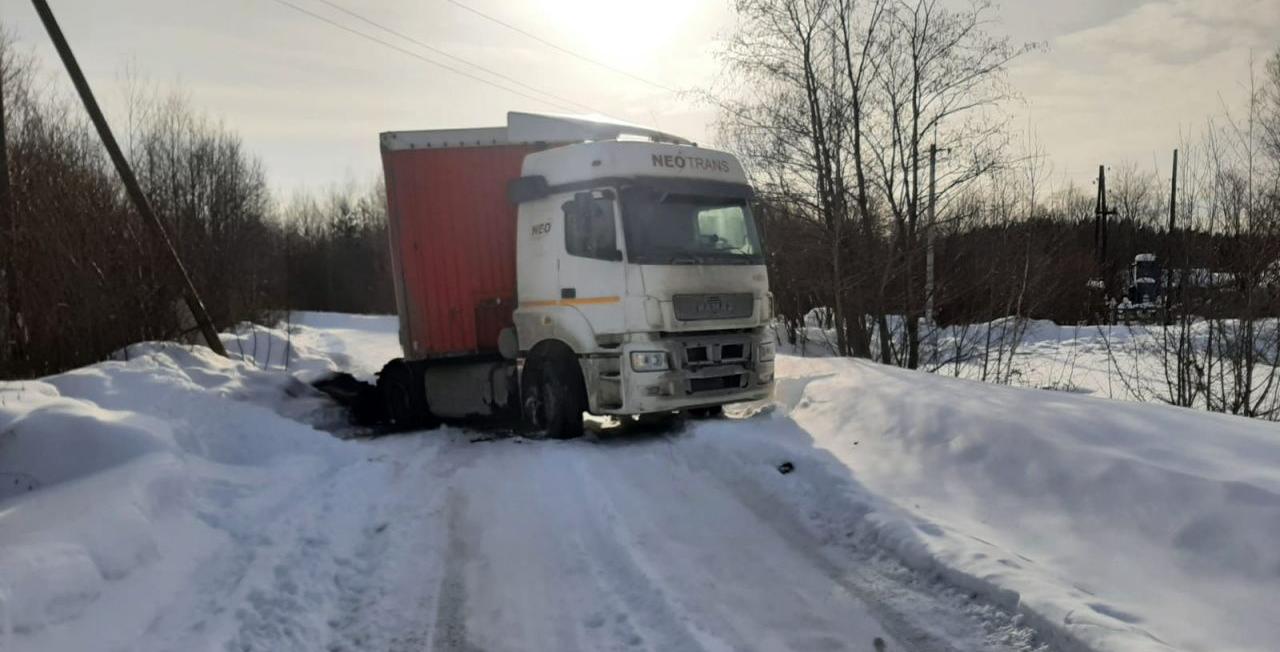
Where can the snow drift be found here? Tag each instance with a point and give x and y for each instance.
(97, 486)
(1119, 526)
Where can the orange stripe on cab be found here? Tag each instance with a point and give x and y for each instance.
(584, 301)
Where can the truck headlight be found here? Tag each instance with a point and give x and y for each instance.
(649, 361)
(766, 351)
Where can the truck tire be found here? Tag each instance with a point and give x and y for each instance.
(556, 395)
(404, 396)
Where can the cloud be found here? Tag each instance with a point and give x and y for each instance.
(1130, 87)
(1178, 32)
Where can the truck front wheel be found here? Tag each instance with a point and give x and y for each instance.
(556, 395)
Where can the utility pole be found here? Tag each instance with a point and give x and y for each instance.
(8, 247)
(1097, 216)
(1101, 213)
(1167, 281)
(1173, 195)
(929, 239)
(928, 259)
(131, 184)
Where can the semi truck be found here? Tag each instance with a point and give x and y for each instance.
(560, 265)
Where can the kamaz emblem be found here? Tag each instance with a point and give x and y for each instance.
(712, 306)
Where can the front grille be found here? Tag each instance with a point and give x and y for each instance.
(716, 383)
(695, 307)
(716, 351)
(732, 352)
(697, 354)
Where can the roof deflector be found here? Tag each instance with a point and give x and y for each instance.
(550, 128)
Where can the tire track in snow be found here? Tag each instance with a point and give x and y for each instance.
(921, 612)
(525, 563)
(618, 571)
(737, 586)
(450, 627)
(223, 594)
(858, 584)
(385, 581)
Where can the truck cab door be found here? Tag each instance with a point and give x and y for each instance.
(591, 273)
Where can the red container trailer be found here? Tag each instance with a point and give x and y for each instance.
(452, 232)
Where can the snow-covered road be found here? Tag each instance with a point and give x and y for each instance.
(436, 541)
(519, 546)
(180, 501)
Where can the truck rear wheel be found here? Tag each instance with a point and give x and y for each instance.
(556, 396)
(404, 396)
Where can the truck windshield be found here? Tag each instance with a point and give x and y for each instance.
(670, 229)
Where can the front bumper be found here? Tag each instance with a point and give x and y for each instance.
(705, 370)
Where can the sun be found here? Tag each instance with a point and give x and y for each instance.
(626, 33)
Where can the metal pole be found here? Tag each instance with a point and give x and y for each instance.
(126, 175)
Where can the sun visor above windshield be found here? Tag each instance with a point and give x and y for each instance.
(694, 187)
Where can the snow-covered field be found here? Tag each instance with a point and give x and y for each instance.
(1128, 362)
(179, 501)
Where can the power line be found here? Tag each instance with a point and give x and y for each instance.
(563, 49)
(415, 55)
(442, 53)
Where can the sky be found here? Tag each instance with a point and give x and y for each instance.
(1117, 80)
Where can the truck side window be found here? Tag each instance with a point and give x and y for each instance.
(589, 228)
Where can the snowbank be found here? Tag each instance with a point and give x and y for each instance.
(105, 480)
(1118, 526)
(1130, 362)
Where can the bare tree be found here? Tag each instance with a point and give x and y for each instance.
(92, 281)
(8, 272)
(792, 130)
(941, 77)
(843, 98)
(1134, 195)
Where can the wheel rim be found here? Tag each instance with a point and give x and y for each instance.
(550, 406)
(399, 402)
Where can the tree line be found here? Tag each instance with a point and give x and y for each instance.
(82, 278)
(839, 108)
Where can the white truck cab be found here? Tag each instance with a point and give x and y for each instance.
(644, 258)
